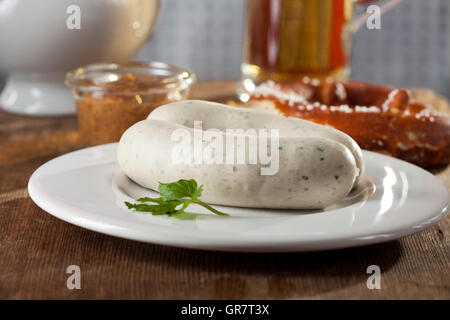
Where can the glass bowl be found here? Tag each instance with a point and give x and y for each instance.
(111, 97)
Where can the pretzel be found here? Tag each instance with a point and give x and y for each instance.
(379, 118)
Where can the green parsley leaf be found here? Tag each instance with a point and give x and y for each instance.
(157, 209)
(173, 195)
(155, 200)
(180, 189)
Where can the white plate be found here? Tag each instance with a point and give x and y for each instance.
(85, 188)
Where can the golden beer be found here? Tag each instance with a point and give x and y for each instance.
(289, 39)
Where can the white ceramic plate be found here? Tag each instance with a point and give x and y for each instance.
(86, 188)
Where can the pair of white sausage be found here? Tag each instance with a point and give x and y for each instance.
(318, 165)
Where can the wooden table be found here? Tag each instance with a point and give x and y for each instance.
(36, 248)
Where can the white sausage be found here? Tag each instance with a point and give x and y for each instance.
(314, 172)
(220, 116)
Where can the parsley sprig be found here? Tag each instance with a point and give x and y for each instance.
(175, 198)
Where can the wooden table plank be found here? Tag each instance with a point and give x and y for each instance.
(36, 248)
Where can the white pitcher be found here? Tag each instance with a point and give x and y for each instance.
(41, 40)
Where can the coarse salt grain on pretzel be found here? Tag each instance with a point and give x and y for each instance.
(379, 118)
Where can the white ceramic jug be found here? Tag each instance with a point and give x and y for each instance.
(41, 40)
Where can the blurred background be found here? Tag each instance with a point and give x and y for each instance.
(206, 36)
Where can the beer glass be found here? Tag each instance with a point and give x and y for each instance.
(289, 39)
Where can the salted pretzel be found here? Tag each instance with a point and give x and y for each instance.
(379, 118)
